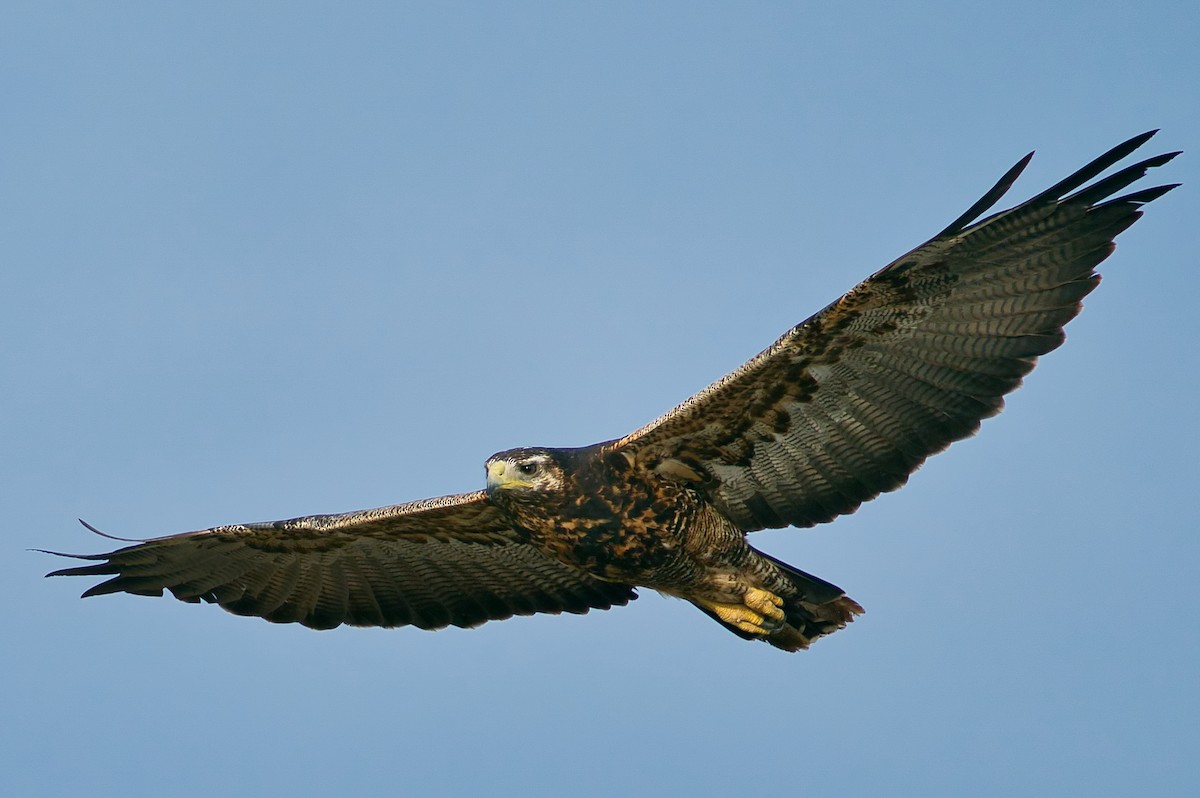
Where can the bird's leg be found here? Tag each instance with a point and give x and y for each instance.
(766, 603)
(759, 613)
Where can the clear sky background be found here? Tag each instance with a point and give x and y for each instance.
(266, 260)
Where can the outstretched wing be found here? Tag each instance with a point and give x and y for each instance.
(433, 563)
(850, 402)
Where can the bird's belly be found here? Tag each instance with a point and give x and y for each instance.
(613, 552)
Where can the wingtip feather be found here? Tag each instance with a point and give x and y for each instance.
(1095, 167)
(993, 195)
(91, 528)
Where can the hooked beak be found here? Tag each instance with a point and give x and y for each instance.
(499, 476)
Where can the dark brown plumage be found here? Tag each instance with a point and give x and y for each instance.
(841, 408)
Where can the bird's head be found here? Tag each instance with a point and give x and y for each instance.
(524, 473)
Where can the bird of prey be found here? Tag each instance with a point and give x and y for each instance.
(843, 407)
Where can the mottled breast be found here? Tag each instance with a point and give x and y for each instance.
(609, 518)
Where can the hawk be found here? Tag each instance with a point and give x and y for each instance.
(843, 407)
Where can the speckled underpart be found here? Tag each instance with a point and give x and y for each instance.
(602, 513)
(602, 521)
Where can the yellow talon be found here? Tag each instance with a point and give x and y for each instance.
(740, 616)
(759, 613)
(766, 603)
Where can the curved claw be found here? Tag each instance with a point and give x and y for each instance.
(760, 612)
(765, 603)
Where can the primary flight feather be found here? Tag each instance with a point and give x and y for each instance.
(843, 407)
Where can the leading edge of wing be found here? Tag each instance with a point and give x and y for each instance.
(421, 518)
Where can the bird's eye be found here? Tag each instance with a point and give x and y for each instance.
(527, 468)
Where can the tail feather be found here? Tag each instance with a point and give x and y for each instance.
(818, 608)
(814, 608)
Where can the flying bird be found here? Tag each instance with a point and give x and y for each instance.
(844, 406)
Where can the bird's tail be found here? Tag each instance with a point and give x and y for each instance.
(814, 609)
(818, 608)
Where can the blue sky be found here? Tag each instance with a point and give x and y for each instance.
(277, 259)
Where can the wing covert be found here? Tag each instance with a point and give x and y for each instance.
(453, 560)
(848, 403)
